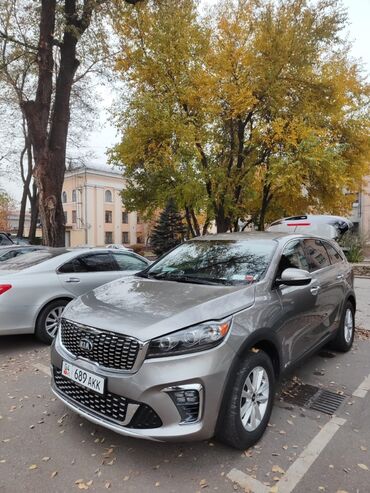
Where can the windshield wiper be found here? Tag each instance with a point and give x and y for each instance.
(172, 276)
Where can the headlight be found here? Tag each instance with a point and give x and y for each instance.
(197, 338)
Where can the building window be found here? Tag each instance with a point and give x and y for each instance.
(74, 217)
(108, 217)
(108, 196)
(124, 217)
(65, 217)
(108, 238)
(125, 237)
(74, 195)
(64, 197)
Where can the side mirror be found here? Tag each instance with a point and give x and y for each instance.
(294, 277)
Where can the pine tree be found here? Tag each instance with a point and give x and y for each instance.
(169, 230)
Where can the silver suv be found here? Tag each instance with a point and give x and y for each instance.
(192, 346)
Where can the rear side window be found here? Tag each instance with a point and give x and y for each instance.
(334, 255)
(93, 262)
(317, 255)
(129, 262)
(293, 257)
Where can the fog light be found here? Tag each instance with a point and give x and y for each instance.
(188, 401)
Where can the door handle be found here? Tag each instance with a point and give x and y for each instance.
(340, 276)
(73, 279)
(315, 290)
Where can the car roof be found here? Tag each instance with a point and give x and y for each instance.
(247, 235)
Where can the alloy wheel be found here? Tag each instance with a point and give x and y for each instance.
(348, 326)
(52, 321)
(254, 398)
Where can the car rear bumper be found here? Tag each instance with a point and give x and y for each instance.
(153, 386)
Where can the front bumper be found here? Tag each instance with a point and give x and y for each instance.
(206, 371)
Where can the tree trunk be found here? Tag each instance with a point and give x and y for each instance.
(195, 222)
(25, 178)
(189, 223)
(222, 222)
(34, 215)
(266, 198)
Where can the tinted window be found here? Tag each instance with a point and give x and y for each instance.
(317, 254)
(96, 262)
(238, 261)
(334, 255)
(293, 257)
(129, 262)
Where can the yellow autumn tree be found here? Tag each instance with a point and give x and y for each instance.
(5, 205)
(255, 110)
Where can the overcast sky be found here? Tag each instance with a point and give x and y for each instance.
(103, 138)
(359, 16)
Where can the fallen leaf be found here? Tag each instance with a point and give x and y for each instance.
(203, 483)
(157, 484)
(274, 489)
(363, 466)
(277, 469)
(33, 466)
(107, 484)
(364, 449)
(82, 486)
(45, 459)
(53, 474)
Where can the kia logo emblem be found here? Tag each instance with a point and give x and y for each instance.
(86, 345)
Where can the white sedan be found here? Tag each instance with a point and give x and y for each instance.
(35, 287)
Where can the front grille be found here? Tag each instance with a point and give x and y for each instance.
(108, 349)
(111, 406)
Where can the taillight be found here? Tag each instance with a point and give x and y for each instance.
(4, 288)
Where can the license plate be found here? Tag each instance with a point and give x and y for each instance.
(83, 377)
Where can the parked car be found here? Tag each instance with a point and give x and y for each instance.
(5, 239)
(12, 251)
(36, 287)
(332, 227)
(192, 346)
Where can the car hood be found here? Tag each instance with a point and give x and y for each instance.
(148, 308)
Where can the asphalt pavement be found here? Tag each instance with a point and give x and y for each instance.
(46, 447)
(362, 287)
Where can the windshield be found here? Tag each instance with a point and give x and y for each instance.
(215, 261)
(30, 259)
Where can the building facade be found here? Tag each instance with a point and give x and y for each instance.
(93, 209)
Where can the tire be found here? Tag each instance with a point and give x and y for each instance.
(45, 329)
(346, 332)
(239, 400)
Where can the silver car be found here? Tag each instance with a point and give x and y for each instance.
(192, 346)
(35, 287)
